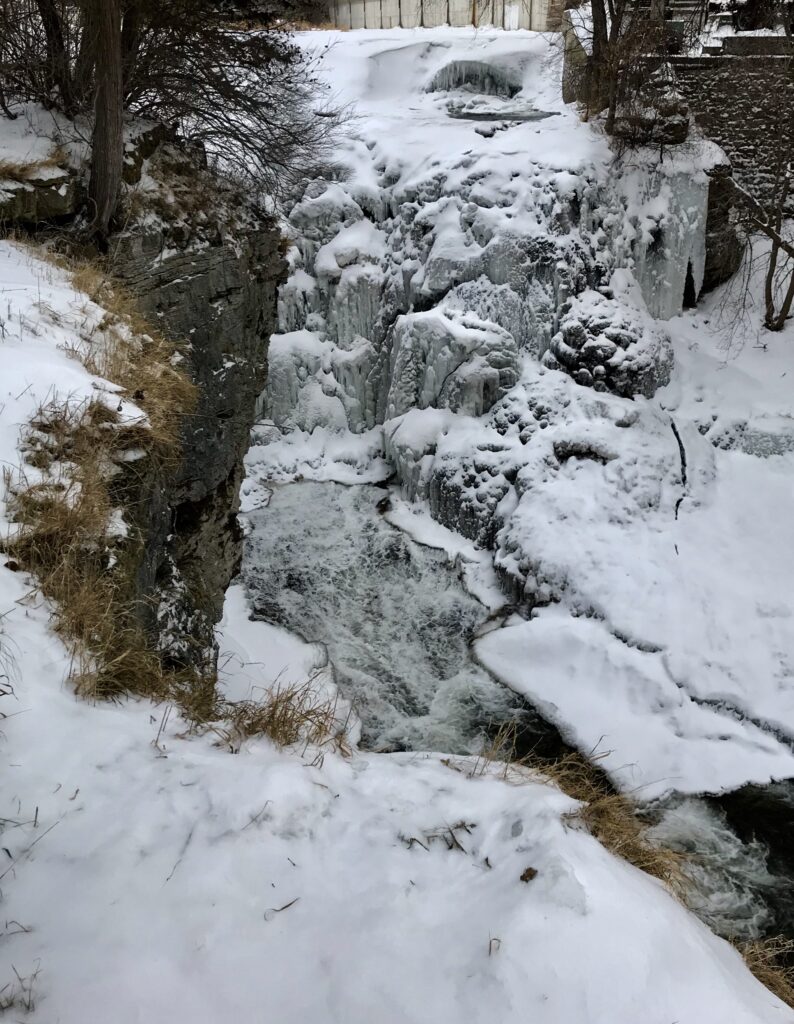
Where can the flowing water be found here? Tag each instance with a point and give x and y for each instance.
(397, 624)
(396, 621)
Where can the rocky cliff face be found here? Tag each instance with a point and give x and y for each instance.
(222, 298)
(205, 266)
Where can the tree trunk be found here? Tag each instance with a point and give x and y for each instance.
(769, 285)
(788, 302)
(130, 39)
(84, 65)
(108, 143)
(600, 69)
(58, 62)
(776, 321)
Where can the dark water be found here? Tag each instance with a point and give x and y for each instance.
(396, 621)
(501, 115)
(765, 815)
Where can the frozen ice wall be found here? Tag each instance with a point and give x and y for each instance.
(478, 306)
(445, 250)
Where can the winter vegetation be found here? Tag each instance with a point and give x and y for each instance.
(395, 541)
(246, 96)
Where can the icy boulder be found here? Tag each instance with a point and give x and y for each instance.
(317, 218)
(298, 298)
(359, 243)
(449, 359)
(313, 383)
(355, 303)
(293, 358)
(611, 346)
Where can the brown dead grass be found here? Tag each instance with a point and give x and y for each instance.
(64, 536)
(771, 960)
(63, 503)
(287, 714)
(21, 171)
(127, 350)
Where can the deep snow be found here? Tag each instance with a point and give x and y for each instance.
(152, 875)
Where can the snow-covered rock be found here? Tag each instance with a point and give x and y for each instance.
(449, 360)
(605, 344)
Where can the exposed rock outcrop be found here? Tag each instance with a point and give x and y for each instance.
(46, 194)
(205, 266)
(222, 298)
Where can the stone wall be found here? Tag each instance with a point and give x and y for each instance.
(745, 104)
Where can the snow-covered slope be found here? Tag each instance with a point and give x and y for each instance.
(151, 875)
(171, 879)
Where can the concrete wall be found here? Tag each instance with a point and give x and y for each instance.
(539, 15)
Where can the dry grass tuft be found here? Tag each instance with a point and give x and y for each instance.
(21, 171)
(771, 960)
(287, 714)
(18, 994)
(13, 170)
(125, 349)
(65, 535)
(609, 816)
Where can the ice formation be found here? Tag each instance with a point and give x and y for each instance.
(393, 261)
(485, 318)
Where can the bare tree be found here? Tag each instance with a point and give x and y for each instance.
(627, 41)
(249, 97)
(771, 221)
(59, 76)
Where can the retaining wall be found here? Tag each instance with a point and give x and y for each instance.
(746, 105)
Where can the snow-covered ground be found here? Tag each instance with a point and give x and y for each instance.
(173, 880)
(153, 875)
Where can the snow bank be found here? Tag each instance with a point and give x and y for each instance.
(171, 879)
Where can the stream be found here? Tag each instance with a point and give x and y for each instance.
(322, 561)
(397, 623)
